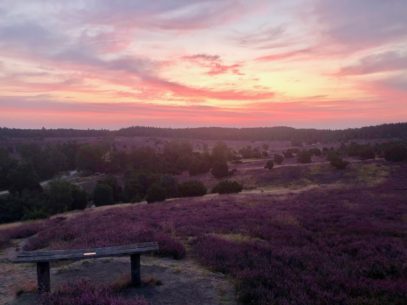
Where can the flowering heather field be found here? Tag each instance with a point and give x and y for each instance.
(343, 246)
(83, 293)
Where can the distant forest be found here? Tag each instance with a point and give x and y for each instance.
(385, 131)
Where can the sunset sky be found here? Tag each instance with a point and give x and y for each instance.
(187, 63)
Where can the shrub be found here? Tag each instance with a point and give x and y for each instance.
(21, 231)
(102, 194)
(64, 196)
(367, 152)
(156, 193)
(289, 153)
(315, 151)
(227, 187)
(396, 153)
(269, 165)
(338, 163)
(304, 157)
(191, 189)
(220, 170)
(278, 159)
(79, 197)
(199, 166)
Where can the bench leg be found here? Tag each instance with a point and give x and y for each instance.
(135, 269)
(43, 277)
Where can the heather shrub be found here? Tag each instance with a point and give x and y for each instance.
(191, 189)
(169, 247)
(227, 187)
(278, 159)
(82, 292)
(269, 165)
(20, 231)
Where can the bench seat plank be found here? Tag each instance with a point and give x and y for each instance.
(78, 254)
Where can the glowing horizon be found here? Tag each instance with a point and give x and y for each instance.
(182, 63)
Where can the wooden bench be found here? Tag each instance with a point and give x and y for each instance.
(43, 259)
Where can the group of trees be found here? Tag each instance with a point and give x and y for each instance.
(143, 173)
(56, 197)
(153, 188)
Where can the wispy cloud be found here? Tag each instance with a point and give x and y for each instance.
(382, 62)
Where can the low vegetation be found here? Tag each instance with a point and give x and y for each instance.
(337, 247)
(227, 187)
(269, 165)
(82, 292)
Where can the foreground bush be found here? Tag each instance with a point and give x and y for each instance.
(83, 292)
(227, 187)
(191, 189)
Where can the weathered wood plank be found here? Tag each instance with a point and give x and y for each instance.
(66, 251)
(43, 256)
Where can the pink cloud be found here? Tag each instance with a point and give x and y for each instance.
(382, 62)
(286, 55)
(213, 63)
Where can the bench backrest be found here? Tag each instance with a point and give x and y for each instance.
(78, 254)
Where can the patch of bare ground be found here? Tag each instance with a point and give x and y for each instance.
(165, 281)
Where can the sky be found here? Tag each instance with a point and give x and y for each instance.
(188, 63)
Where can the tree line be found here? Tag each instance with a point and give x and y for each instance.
(385, 131)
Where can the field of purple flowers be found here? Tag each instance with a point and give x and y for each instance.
(343, 246)
(84, 293)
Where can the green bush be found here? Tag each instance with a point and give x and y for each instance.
(339, 163)
(64, 196)
(304, 157)
(102, 194)
(191, 189)
(156, 193)
(220, 170)
(396, 153)
(227, 187)
(269, 165)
